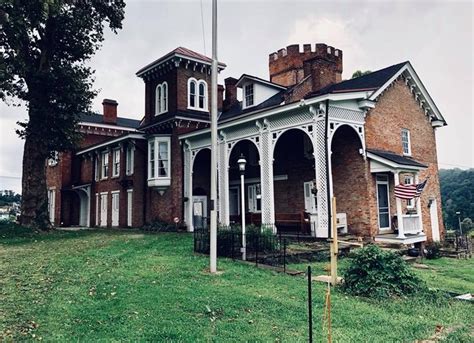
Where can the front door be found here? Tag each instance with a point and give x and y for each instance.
(200, 212)
(115, 209)
(383, 203)
(434, 221)
(103, 209)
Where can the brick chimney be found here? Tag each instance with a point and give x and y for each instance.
(289, 66)
(220, 97)
(230, 92)
(110, 111)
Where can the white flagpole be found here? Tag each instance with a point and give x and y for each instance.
(213, 238)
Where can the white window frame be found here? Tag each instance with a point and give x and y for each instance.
(406, 142)
(96, 168)
(253, 196)
(104, 169)
(161, 98)
(309, 198)
(381, 179)
(130, 160)
(409, 180)
(249, 99)
(116, 162)
(154, 160)
(51, 204)
(197, 95)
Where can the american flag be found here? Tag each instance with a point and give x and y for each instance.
(408, 192)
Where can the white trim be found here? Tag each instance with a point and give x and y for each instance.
(129, 207)
(407, 131)
(391, 165)
(115, 209)
(411, 71)
(259, 114)
(129, 160)
(197, 95)
(111, 142)
(103, 175)
(258, 80)
(114, 162)
(161, 102)
(156, 180)
(108, 126)
(385, 183)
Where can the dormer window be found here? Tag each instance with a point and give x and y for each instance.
(197, 94)
(161, 98)
(248, 95)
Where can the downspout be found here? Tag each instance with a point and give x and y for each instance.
(326, 150)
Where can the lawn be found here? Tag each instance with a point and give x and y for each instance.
(124, 285)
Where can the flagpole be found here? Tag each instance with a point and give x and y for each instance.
(213, 233)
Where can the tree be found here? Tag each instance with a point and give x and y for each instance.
(44, 45)
(359, 73)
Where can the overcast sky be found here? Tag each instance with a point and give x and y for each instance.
(437, 37)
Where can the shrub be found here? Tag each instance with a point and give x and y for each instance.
(376, 273)
(432, 250)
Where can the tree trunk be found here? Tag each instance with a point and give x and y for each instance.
(34, 204)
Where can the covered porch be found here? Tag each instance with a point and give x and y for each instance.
(398, 220)
(288, 179)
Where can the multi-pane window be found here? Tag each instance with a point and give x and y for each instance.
(406, 142)
(116, 163)
(408, 180)
(129, 160)
(159, 160)
(151, 160)
(248, 90)
(105, 164)
(163, 160)
(197, 94)
(161, 98)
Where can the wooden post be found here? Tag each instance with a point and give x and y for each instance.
(334, 246)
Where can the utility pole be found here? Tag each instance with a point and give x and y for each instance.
(213, 233)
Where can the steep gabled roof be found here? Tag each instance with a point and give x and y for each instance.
(95, 118)
(236, 110)
(259, 80)
(368, 82)
(180, 52)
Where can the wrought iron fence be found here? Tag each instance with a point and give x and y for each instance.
(262, 245)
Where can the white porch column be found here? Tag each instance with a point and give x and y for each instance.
(266, 175)
(401, 232)
(418, 208)
(321, 178)
(223, 177)
(188, 188)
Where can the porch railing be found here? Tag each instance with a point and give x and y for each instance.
(411, 224)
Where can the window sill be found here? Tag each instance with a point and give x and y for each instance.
(115, 176)
(159, 182)
(157, 114)
(198, 109)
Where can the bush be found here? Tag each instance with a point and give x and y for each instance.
(432, 251)
(375, 273)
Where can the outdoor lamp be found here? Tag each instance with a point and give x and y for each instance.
(242, 162)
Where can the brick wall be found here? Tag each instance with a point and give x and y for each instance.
(397, 109)
(349, 175)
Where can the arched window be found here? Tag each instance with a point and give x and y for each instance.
(161, 98)
(164, 94)
(197, 98)
(202, 95)
(192, 93)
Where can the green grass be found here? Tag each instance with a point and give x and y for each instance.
(117, 285)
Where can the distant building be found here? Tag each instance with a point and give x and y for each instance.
(378, 129)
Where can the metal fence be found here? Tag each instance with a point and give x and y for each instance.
(262, 246)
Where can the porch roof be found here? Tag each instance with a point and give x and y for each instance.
(393, 161)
